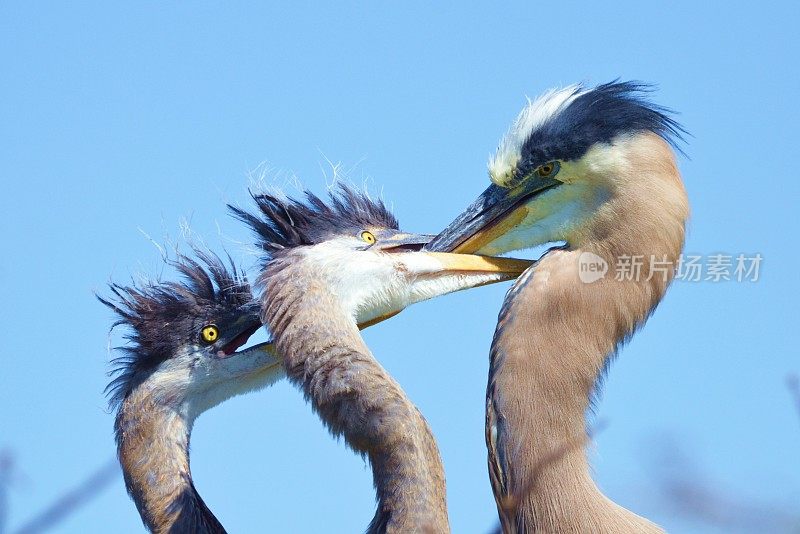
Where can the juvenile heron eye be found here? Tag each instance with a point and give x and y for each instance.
(368, 237)
(546, 170)
(209, 334)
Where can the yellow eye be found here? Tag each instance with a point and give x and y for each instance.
(209, 334)
(546, 170)
(368, 237)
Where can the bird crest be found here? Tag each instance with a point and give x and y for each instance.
(286, 223)
(564, 123)
(156, 313)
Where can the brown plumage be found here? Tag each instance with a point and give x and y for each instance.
(606, 184)
(356, 398)
(330, 269)
(168, 375)
(552, 345)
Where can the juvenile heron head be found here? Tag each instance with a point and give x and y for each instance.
(353, 245)
(182, 359)
(184, 336)
(568, 154)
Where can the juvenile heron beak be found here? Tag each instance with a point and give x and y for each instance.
(470, 264)
(494, 212)
(401, 241)
(430, 274)
(239, 332)
(433, 274)
(234, 361)
(258, 360)
(419, 260)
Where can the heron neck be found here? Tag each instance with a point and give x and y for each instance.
(356, 398)
(555, 336)
(153, 449)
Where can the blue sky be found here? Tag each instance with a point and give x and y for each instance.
(126, 121)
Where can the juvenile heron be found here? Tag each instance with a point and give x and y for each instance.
(182, 360)
(592, 167)
(333, 266)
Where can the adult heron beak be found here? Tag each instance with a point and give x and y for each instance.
(496, 211)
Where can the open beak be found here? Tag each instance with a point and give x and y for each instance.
(496, 211)
(435, 274)
(420, 261)
(256, 363)
(240, 331)
(261, 357)
(469, 264)
(231, 346)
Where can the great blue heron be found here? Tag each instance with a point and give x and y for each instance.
(593, 167)
(182, 360)
(330, 267)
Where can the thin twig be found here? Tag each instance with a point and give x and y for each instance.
(73, 499)
(690, 494)
(793, 383)
(6, 468)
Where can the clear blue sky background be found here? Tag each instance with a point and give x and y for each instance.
(129, 119)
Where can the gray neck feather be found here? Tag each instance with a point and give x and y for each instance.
(554, 340)
(356, 398)
(153, 449)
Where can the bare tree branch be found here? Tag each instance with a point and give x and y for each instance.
(688, 493)
(6, 468)
(793, 383)
(73, 499)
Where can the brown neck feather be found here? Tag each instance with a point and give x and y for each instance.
(153, 449)
(552, 344)
(355, 397)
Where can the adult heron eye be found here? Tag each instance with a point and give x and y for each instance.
(368, 237)
(546, 170)
(209, 334)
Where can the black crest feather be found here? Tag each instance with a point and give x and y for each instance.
(152, 312)
(598, 115)
(286, 223)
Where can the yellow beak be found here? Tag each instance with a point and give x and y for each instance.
(458, 263)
